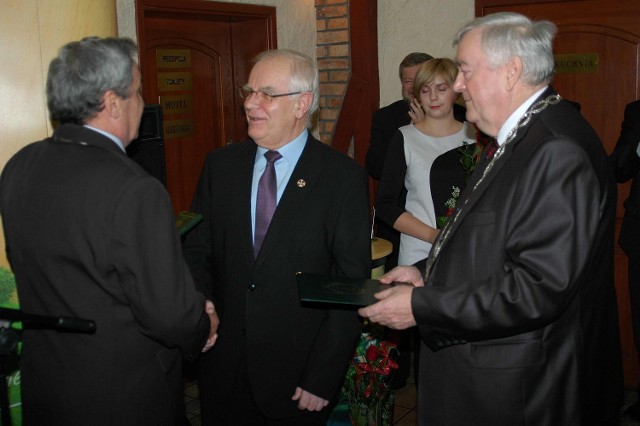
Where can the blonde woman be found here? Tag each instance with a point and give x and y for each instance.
(411, 154)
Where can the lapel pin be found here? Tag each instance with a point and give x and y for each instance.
(301, 183)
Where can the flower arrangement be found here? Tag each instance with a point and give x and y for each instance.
(368, 380)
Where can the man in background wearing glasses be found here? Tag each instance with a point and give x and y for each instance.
(276, 361)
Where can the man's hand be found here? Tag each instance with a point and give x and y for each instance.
(416, 113)
(393, 309)
(405, 274)
(394, 306)
(308, 401)
(215, 321)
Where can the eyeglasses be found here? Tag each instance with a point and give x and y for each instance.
(266, 97)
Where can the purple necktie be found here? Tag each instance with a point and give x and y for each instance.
(266, 199)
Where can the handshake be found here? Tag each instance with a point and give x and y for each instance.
(215, 321)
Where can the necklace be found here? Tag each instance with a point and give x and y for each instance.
(523, 121)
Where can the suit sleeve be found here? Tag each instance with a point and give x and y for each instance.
(625, 160)
(389, 205)
(351, 248)
(529, 267)
(197, 246)
(382, 129)
(152, 271)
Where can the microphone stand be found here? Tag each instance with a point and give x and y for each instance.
(9, 341)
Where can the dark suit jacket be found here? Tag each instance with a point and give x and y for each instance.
(519, 310)
(90, 234)
(626, 165)
(321, 225)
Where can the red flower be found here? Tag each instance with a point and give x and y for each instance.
(372, 368)
(372, 353)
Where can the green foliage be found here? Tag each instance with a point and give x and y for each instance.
(7, 285)
(470, 157)
(368, 379)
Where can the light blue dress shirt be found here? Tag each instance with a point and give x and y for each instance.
(115, 139)
(284, 169)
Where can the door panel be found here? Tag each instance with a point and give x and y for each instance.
(184, 155)
(611, 31)
(215, 42)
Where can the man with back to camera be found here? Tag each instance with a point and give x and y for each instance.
(277, 362)
(90, 234)
(517, 310)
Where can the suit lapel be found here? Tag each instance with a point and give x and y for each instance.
(471, 196)
(241, 185)
(481, 181)
(302, 182)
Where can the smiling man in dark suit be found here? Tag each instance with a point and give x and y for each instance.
(90, 234)
(517, 311)
(276, 361)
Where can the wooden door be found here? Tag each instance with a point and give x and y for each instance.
(193, 56)
(597, 56)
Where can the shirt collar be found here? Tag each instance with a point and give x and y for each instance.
(291, 151)
(115, 139)
(512, 121)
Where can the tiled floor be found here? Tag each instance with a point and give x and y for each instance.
(405, 412)
(192, 402)
(631, 396)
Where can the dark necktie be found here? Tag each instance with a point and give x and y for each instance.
(266, 199)
(492, 147)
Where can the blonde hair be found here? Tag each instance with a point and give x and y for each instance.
(444, 68)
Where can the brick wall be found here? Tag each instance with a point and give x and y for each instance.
(334, 61)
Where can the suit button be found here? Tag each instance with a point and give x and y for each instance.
(252, 287)
(243, 332)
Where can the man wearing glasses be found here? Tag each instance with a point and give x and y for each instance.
(279, 203)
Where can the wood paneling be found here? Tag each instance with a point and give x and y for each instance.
(362, 97)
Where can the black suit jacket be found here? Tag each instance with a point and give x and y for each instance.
(519, 310)
(90, 234)
(321, 225)
(626, 164)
